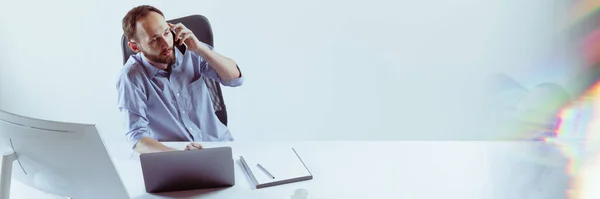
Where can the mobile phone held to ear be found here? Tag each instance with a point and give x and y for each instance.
(182, 48)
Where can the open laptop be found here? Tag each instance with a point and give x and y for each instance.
(188, 170)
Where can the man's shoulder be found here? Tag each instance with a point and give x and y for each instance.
(132, 69)
(132, 72)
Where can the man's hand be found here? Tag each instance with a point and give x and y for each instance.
(193, 146)
(226, 68)
(186, 36)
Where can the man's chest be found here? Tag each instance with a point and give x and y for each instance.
(177, 91)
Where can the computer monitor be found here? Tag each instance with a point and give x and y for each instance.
(59, 158)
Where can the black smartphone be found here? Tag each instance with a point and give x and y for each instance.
(182, 48)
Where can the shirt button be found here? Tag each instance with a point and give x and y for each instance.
(190, 128)
(183, 112)
(177, 94)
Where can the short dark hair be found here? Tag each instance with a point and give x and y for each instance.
(131, 18)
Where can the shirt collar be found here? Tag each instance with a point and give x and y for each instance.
(152, 70)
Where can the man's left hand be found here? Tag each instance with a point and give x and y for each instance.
(187, 37)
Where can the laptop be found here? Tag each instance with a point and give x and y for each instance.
(188, 170)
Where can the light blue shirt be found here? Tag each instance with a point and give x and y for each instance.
(175, 107)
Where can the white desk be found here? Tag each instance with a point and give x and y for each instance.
(390, 170)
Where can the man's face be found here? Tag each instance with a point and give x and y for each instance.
(155, 40)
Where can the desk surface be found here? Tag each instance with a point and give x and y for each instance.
(394, 169)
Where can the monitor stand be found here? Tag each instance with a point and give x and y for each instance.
(8, 158)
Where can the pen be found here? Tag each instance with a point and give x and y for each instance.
(265, 170)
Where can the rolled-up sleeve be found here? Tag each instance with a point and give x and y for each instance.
(132, 105)
(208, 71)
(136, 127)
(211, 73)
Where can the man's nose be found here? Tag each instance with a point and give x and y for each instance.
(163, 43)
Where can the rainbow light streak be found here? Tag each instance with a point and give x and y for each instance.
(583, 114)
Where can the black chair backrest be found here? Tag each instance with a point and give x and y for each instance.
(200, 26)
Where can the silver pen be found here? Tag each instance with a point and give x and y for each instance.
(265, 170)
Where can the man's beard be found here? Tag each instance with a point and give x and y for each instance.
(161, 58)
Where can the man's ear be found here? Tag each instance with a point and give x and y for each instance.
(133, 46)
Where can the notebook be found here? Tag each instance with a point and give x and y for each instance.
(275, 167)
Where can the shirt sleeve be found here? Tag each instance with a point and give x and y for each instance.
(132, 105)
(208, 71)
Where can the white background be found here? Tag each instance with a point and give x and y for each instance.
(316, 70)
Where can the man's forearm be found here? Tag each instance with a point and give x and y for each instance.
(226, 68)
(149, 145)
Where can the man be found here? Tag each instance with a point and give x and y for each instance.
(160, 91)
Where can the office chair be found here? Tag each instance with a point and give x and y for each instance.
(200, 26)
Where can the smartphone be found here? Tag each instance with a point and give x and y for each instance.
(182, 48)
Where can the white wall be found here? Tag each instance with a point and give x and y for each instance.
(319, 70)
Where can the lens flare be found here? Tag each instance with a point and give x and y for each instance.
(578, 130)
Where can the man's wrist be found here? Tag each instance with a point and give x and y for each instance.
(201, 48)
(166, 148)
